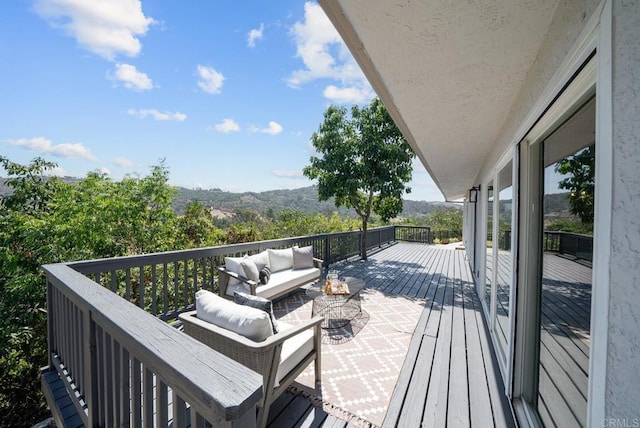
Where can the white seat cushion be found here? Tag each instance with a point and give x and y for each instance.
(279, 282)
(294, 350)
(287, 280)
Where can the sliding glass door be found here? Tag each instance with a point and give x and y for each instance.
(498, 257)
(565, 280)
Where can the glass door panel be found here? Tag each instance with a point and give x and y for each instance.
(488, 265)
(504, 261)
(566, 281)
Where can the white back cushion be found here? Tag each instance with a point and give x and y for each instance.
(232, 264)
(249, 322)
(280, 259)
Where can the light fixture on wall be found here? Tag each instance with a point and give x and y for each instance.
(473, 194)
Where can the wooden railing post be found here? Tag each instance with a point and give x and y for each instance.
(327, 252)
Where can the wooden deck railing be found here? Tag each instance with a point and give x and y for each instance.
(573, 244)
(164, 284)
(118, 358)
(122, 366)
(421, 234)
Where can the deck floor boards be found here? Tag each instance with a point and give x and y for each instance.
(450, 376)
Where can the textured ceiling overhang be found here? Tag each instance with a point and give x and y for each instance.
(447, 71)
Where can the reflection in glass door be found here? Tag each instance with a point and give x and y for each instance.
(488, 262)
(504, 260)
(566, 280)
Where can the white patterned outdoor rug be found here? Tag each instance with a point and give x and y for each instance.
(360, 362)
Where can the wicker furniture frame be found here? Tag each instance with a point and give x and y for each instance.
(262, 357)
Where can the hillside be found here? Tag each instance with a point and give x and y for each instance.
(304, 199)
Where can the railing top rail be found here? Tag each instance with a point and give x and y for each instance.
(112, 263)
(560, 232)
(211, 382)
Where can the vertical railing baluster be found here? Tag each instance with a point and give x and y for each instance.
(141, 288)
(100, 379)
(127, 281)
(185, 285)
(126, 374)
(114, 281)
(147, 397)
(162, 404)
(179, 411)
(136, 400)
(91, 369)
(197, 420)
(212, 272)
(154, 291)
(176, 288)
(195, 277)
(115, 382)
(107, 361)
(165, 288)
(65, 342)
(82, 384)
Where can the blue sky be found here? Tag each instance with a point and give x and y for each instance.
(228, 93)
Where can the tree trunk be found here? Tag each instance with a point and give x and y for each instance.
(363, 239)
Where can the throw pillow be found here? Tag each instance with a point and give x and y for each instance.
(261, 259)
(280, 259)
(303, 257)
(232, 264)
(250, 269)
(258, 303)
(265, 275)
(246, 321)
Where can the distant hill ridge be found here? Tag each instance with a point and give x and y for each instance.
(303, 199)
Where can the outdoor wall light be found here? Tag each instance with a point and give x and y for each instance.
(473, 194)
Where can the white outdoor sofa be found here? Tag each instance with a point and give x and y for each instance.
(290, 268)
(244, 334)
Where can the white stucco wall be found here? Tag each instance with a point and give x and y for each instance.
(623, 357)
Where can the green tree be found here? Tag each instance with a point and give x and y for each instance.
(45, 220)
(445, 220)
(580, 169)
(23, 244)
(364, 162)
(195, 225)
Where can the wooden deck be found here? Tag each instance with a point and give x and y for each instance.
(450, 376)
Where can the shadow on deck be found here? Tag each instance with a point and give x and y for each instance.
(450, 376)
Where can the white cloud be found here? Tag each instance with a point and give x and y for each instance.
(106, 28)
(325, 56)
(350, 94)
(131, 78)
(122, 162)
(65, 150)
(226, 126)
(56, 171)
(103, 170)
(210, 80)
(255, 35)
(157, 115)
(288, 173)
(274, 128)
